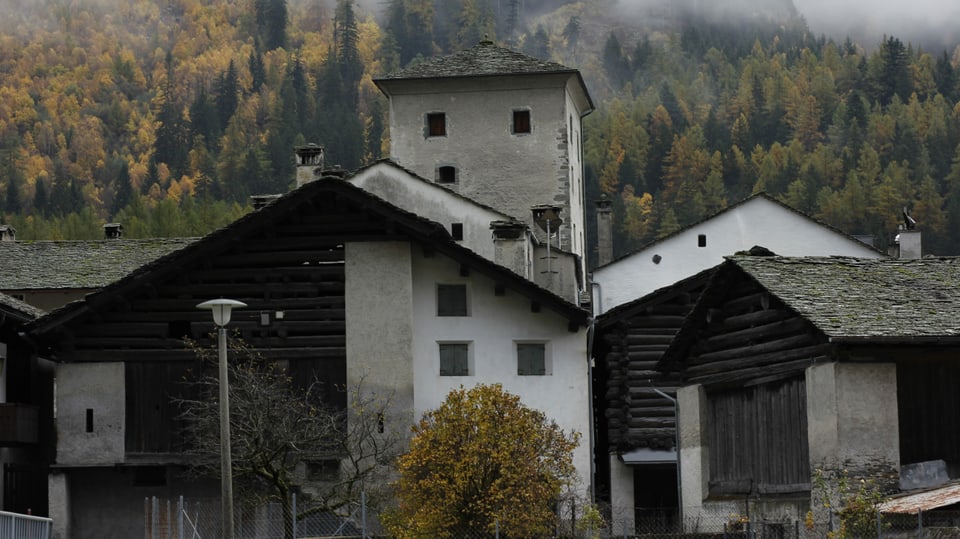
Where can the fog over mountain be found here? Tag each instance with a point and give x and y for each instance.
(930, 23)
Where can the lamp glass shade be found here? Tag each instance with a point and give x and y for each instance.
(221, 309)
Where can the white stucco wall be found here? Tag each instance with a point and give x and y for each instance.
(852, 417)
(494, 326)
(507, 171)
(393, 332)
(432, 202)
(379, 327)
(756, 222)
(97, 387)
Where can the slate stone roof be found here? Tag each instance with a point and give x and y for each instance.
(483, 59)
(853, 299)
(18, 310)
(36, 265)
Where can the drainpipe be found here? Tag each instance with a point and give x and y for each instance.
(591, 329)
(676, 442)
(591, 333)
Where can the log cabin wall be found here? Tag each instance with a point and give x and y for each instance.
(635, 415)
(290, 273)
(751, 336)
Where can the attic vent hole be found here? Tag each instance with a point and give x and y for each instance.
(447, 174)
(702, 240)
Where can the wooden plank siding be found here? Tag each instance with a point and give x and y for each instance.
(929, 409)
(758, 439)
(291, 272)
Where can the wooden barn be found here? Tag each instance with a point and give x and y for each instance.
(793, 365)
(339, 284)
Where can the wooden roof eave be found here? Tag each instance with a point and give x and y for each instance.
(661, 295)
(403, 223)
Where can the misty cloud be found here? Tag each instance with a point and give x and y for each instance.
(929, 22)
(932, 24)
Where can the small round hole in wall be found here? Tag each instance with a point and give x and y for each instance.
(657, 259)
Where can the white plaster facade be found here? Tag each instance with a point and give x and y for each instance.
(512, 172)
(396, 350)
(90, 414)
(432, 202)
(758, 220)
(547, 266)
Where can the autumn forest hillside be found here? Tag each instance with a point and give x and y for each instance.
(165, 115)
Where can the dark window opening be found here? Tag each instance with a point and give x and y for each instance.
(323, 470)
(456, 230)
(521, 121)
(531, 359)
(179, 329)
(437, 124)
(454, 359)
(149, 476)
(89, 421)
(702, 240)
(447, 174)
(452, 300)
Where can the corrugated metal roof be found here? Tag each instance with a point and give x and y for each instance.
(923, 501)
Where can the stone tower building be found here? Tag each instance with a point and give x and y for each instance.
(498, 127)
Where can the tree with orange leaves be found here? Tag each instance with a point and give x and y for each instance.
(482, 460)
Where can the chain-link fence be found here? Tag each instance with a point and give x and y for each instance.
(925, 525)
(201, 519)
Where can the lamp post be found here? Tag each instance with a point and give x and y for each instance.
(221, 317)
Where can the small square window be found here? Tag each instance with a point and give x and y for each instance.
(521, 121)
(447, 174)
(531, 359)
(702, 240)
(436, 124)
(452, 300)
(323, 470)
(454, 359)
(456, 230)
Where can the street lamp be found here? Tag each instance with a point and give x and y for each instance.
(221, 317)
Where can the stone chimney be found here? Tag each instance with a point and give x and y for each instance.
(907, 244)
(112, 231)
(604, 230)
(509, 242)
(8, 233)
(309, 163)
